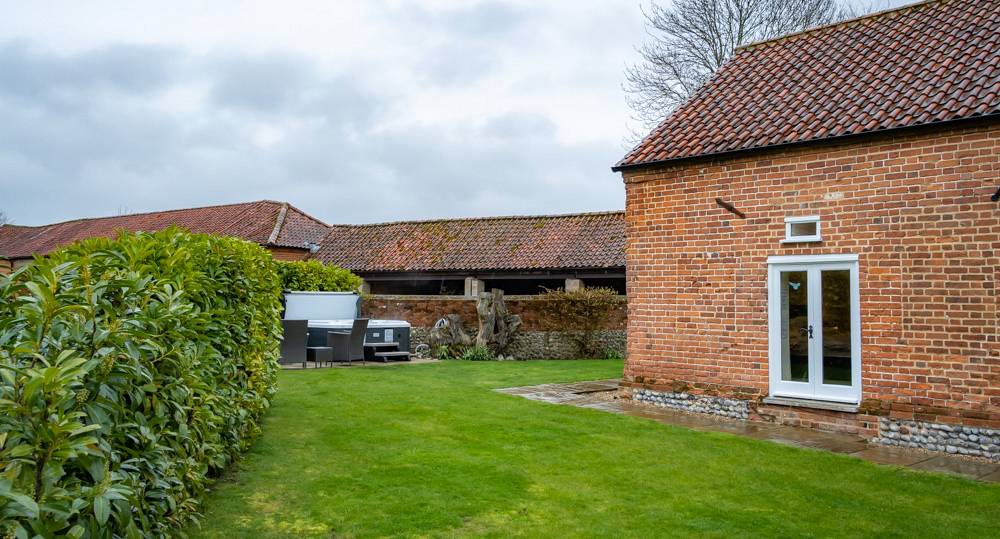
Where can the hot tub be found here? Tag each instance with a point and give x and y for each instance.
(378, 331)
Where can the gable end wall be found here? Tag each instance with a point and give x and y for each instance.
(917, 210)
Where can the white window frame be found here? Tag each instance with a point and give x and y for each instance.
(813, 390)
(789, 221)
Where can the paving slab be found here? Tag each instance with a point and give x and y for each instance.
(993, 477)
(598, 385)
(737, 427)
(518, 390)
(827, 441)
(589, 388)
(612, 407)
(957, 466)
(593, 394)
(894, 456)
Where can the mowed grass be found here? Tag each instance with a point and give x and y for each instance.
(430, 451)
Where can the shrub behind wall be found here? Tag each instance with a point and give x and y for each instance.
(131, 372)
(314, 276)
(581, 313)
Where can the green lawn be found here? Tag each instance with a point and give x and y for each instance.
(429, 451)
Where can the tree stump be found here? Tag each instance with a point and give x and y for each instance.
(496, 324)
(449, 332)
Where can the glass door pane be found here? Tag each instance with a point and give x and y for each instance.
(836, 302)
(794, 326)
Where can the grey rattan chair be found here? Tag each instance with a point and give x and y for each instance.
(294, 345)
(293, 342)
(348, 347)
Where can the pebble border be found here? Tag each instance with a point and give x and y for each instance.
(705, 404)
(952, 439)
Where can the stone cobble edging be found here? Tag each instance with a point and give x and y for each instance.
(705, 404)
(953, 439)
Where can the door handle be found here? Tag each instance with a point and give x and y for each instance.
(807, 330)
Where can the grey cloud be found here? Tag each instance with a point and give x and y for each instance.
(260, 83)
(284, 86)
(481, 172)
(134, 69)
(487, 19)
(456, 62)
(469, 39)
(119, 148)
(343, 102)
(481, 20)
(513, 126)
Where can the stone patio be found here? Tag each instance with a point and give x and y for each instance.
(599, 395)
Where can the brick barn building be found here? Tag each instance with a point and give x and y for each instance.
(419, 271)
(813, 238)
(289, 233)
(522, 255)
(416, 271)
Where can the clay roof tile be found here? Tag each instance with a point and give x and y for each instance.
(585, 240)
(930, 62)
(262, 222)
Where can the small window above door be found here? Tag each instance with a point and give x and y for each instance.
(802, 229)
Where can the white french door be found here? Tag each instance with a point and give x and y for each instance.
(814, 318)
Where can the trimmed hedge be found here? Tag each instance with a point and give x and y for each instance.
(314, 276)
(132, 371)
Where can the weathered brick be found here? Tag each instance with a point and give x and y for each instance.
(916, 209)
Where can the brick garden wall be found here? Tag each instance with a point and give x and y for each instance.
(532, 342)
(917, 210)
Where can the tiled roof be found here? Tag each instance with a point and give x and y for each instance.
(921, 64)
(297, 229)
(265, 222)
(10, 235)
(586, 240)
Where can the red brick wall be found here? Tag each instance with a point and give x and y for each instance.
(419, 311)
(423, 311)
(288, 253)
(916, 209)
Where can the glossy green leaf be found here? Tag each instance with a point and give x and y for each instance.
(102, 509)
(137, 368)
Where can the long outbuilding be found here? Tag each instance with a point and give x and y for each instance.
(521, 255)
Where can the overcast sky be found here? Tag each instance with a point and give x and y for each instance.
(355, 112)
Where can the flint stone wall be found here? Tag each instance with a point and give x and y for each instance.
(953, 439)
(705, 404)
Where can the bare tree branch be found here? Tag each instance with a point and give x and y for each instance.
(4, 220)
(688, 40)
